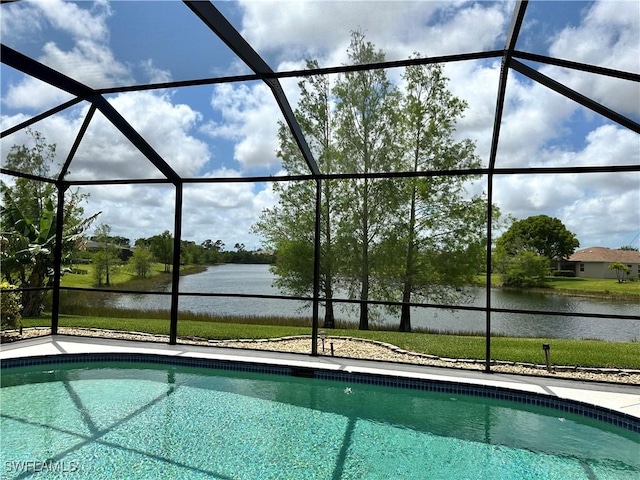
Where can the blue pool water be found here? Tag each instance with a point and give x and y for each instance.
(144, 421)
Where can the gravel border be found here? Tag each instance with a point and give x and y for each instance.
(350, 348)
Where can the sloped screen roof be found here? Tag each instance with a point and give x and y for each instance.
(192, 93)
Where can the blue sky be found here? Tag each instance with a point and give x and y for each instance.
(229, 130)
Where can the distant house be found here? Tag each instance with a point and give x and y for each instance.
(594, 262)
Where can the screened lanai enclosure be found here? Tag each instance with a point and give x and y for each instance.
(375, 150)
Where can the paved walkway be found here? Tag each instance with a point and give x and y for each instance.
(618, 397)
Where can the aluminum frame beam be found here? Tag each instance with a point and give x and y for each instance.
(33, 68)
(510, 45)
(573, 95)
(219, 25)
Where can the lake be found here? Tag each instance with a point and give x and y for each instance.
(257, 280)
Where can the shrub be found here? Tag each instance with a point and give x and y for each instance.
(10, 307)
(525, 270)
(563, 273)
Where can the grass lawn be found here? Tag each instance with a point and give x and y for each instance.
(587, 353)
(122, 276)
(595, 285)
(604, 287)
(117, 276)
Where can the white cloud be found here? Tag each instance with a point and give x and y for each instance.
(607, 145)
(8, 121)
(155, 74)
(88, 62)
(19, 21)
(608, 37)
(106, 153)
(77, 46)
(585, 217)
(532, 116)
(81, 23)
(167, 127)
(311, 29)
(133, 211)
(249, 117)
(600, 208)
(32, 94)
(224, 211)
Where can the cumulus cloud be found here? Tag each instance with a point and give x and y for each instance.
(133, 211)
(153, 73)
(32, 94)
(585, 217)
(22, 21)
(311, 29)
(81, 23)
(606, 145)
(249, 118)
(89, 62)
(225, 211)
(537, 129)
(19, 22)
(166, 126)
(608, 37)
(601, 208)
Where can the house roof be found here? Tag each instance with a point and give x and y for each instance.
(602, 254)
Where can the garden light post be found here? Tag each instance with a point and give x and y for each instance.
(547, 353)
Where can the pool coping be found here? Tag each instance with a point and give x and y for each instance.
(617, 404)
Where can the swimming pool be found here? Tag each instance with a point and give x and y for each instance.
(162, 420)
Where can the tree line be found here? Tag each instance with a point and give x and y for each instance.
(107, 251)
(28, 224)
(401, 262)
(417, 238)
(411, 239)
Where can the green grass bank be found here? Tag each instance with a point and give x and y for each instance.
(584, 353)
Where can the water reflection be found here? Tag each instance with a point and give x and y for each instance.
(257, 280)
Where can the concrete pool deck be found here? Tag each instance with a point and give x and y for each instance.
(622, 398)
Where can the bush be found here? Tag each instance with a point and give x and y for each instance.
(10, 307)
(563, 273)
(525, 270)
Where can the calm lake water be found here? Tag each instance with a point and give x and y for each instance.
(257, 280)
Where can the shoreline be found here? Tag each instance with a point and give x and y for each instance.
(603, 295)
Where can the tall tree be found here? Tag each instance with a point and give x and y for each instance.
(544, 235)
(288, 228)
(141, 260)
(162, 248)
(367, 107)
(539, 235)
(106, 256)
(29, 222)
(439, 228)
(212, 252)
